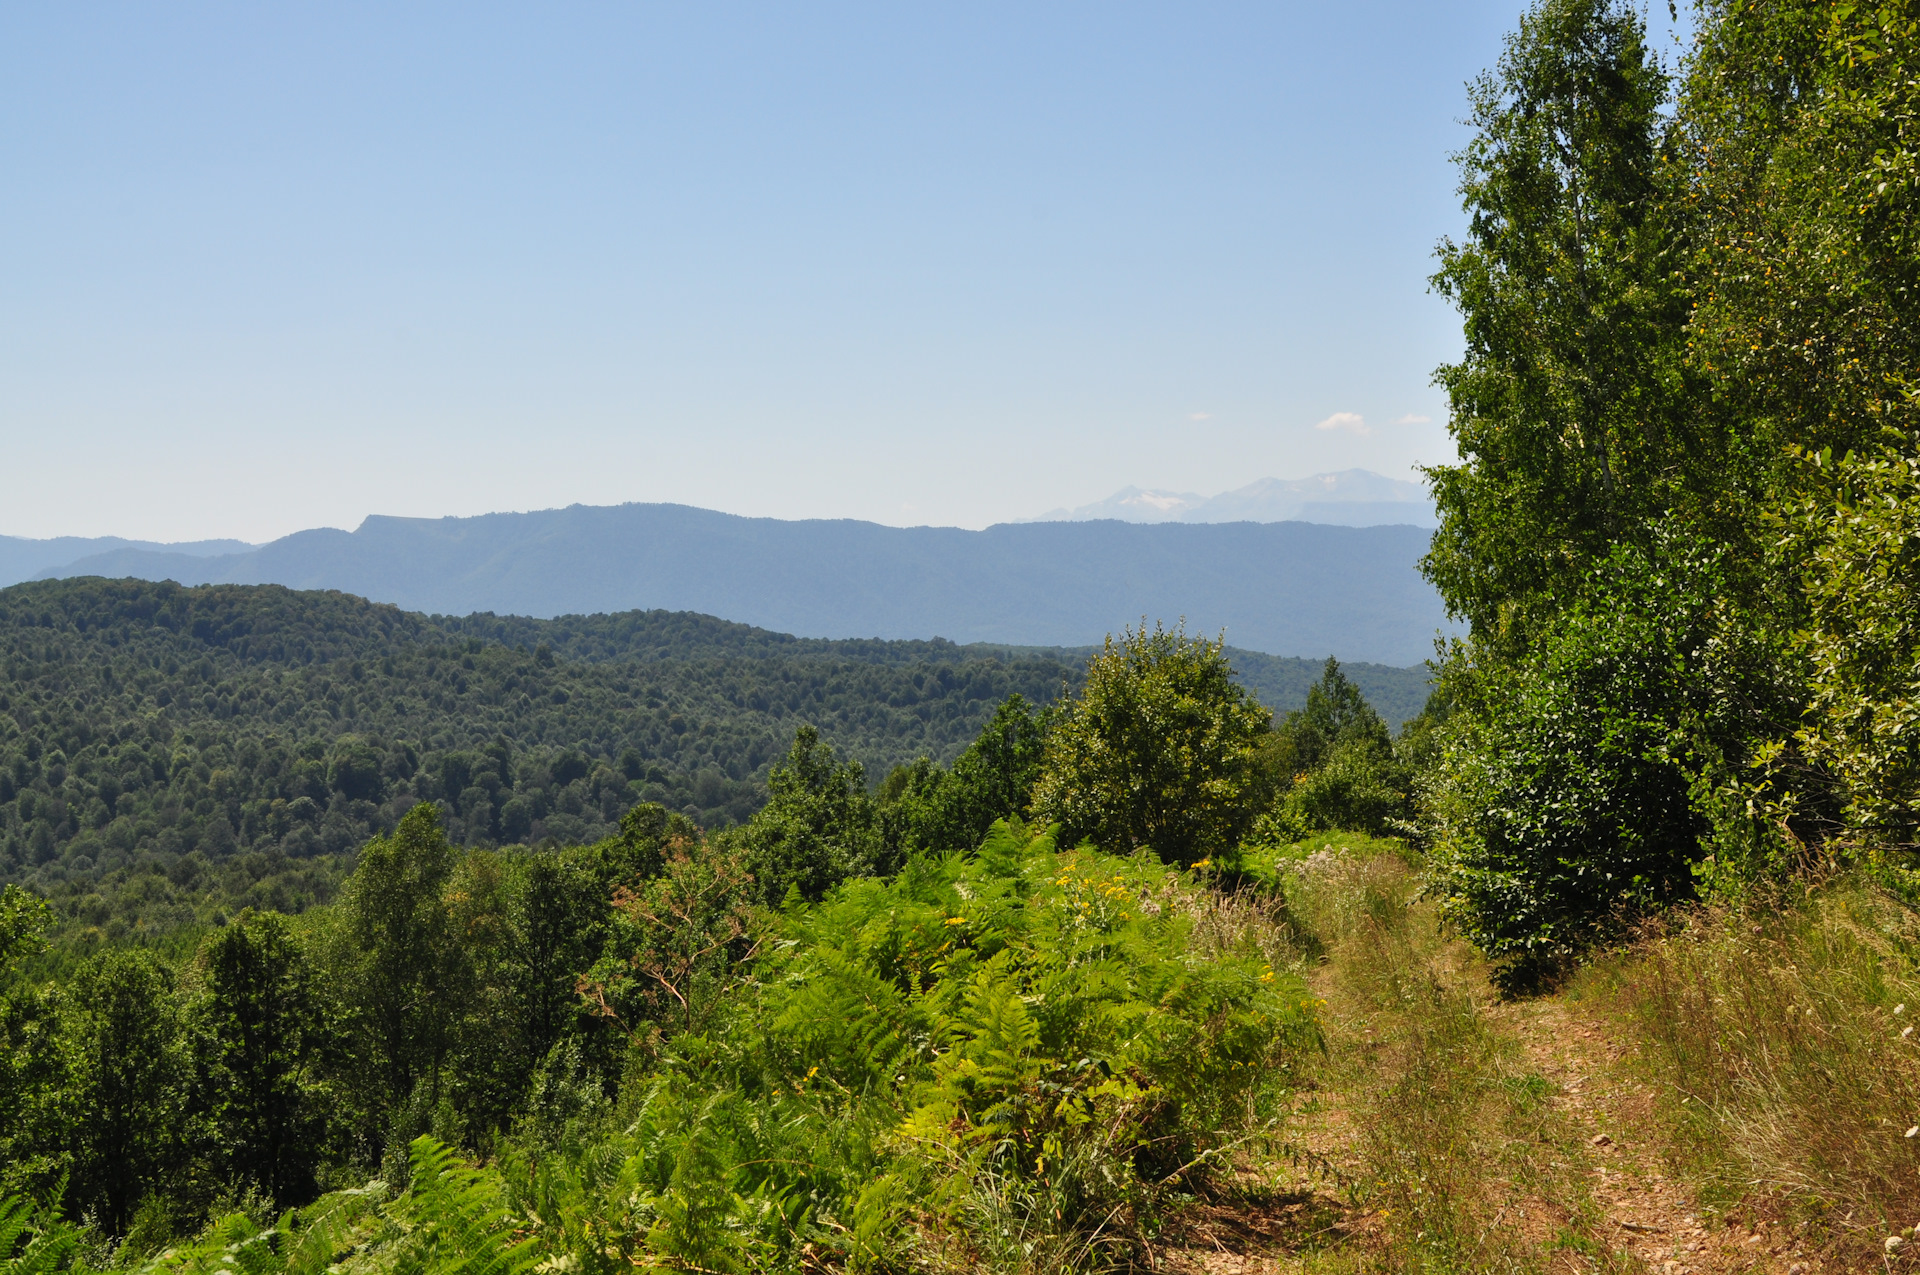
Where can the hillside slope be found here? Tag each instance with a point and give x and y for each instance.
(151, 721)
(1293, 589)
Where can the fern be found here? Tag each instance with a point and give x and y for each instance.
(301, 1242)
(459, 1219)
(33, 1241)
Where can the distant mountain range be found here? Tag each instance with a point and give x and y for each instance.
(1350, 498)
(22, 559)
(1291, 588)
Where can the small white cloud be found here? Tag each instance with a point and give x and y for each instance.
(1413, 418)
(1201, 416)
(1352, 422)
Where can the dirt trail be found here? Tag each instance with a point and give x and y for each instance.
(1649, 1215)
(1298, 1219)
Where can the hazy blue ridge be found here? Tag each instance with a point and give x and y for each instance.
(1288, 588)
(23, 559)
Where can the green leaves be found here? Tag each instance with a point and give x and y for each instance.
(33, 1241)
(266, 1032)
(818, 827)
(398, 967)
(925, 808)
(1161, 749)
(1567, 796)
(459, 1219)
(1567, 407)
(1862, 645)
(1333, 765)
(24, 918)
(1689, 645)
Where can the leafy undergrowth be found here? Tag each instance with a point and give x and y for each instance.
(1021, 1059)
(1030, 1060)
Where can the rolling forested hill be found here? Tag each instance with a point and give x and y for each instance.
(255, 727)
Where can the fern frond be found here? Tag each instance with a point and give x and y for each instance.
(327, 1223)
(460, 1221)
(48, 1244)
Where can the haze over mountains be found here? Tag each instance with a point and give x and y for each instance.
(23, 559)
(1350, 498)
(1293, 589)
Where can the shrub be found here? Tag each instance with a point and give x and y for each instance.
(1553, 809)
(1161, 749)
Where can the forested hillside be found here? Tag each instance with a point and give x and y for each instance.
(152, 716)
(176, 728)
(677, 1006)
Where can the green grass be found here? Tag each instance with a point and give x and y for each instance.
(1782, 1041)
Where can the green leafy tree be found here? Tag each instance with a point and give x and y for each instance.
(400, 972)
(1863, 648)
(818, 827)
(925, 807)
(1564, 798)
(1569, 405)
(529, 924)
(353, 769)
(679, 944)
(1332, 764)
(1160, 749)
(1807, 326)
(560, 915)
(23, 924)
(266, 1037)
(1606, 532)
(1336, 717)
(32, 1066)
(126, 1087)
(1796, 116)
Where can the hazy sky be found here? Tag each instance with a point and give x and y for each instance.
(265, 267)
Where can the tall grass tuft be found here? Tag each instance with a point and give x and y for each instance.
(1458, 1160)
(1788, 1048)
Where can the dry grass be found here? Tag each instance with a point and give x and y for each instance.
(1732, 1094)
(1785, 1053)
(1464, 1159)
(1428, 1142)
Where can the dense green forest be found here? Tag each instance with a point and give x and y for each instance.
(168, 754)
(948, 957)
(312, 714)
(1027, 1008)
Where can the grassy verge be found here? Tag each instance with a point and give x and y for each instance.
(1782, 1044)
(1461, 1156)
(1427, 1142)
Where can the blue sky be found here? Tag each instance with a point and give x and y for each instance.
(265, 267)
